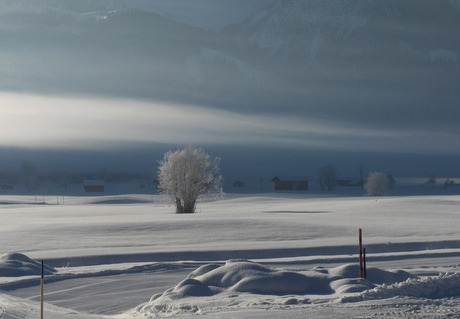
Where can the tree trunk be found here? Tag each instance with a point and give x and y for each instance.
(185, 207)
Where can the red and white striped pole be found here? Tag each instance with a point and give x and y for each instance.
(361, 267)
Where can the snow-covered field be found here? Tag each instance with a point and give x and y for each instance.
(258, 256)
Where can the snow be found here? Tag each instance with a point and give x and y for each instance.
(247, 256)
(15, 265)
(443, 286)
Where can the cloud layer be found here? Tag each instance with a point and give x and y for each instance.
(34, 121)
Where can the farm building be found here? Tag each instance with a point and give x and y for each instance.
(238, 184)
(93, 186)
(290, 184)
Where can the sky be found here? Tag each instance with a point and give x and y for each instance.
(102, 81)
(35, 121)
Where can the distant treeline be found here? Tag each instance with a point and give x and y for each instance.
(29, 177)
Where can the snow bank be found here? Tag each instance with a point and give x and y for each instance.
(443, 286)
(235, 277)
(215, 285)
(374, 275)
(344, 278)
(250, 277)
(15, 265)
(247, 276)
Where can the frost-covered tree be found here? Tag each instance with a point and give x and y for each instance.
(377, 184)
(186, 174)
(327, 177)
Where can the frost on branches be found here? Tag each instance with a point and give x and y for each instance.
(377, 184)
(186, 174)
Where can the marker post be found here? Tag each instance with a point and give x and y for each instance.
(364, 264)
(41, 292)
(361, 268)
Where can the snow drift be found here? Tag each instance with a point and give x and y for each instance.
(443, 286)
(15, 265)
(247, 277)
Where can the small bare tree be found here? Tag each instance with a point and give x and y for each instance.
(377, 184)
(186, 174)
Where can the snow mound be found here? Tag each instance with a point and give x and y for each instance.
(242, 284)
(250, 277)
(349, 285)
(247, 276)
(374, 275)
(15, 265)
(219, 284)
(344, 278)
(443, 286)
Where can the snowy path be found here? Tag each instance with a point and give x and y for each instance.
(104, 294)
